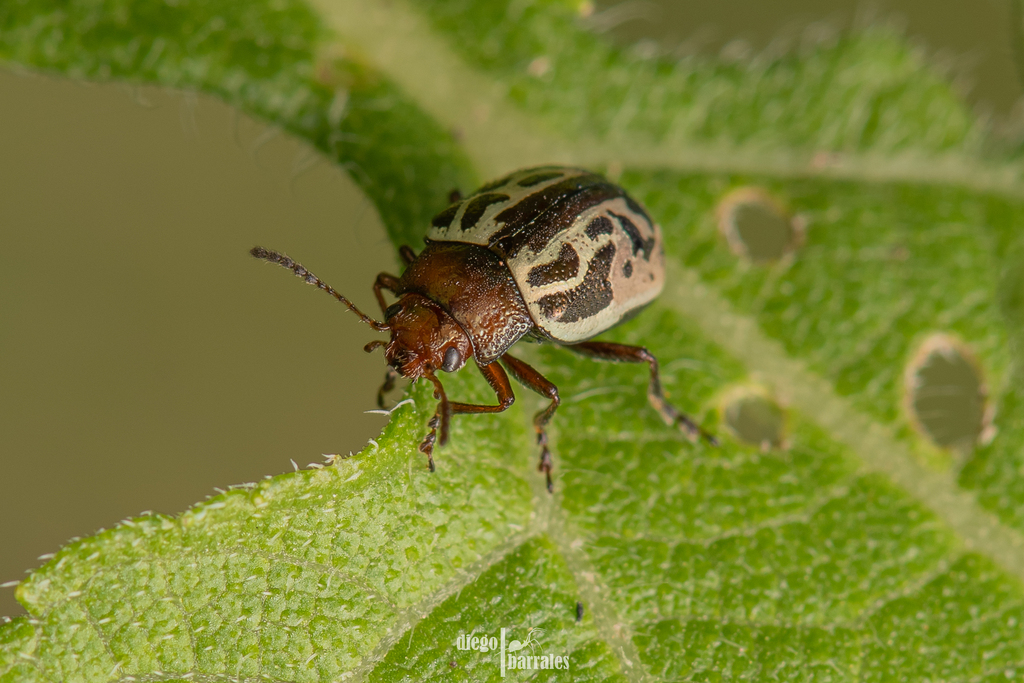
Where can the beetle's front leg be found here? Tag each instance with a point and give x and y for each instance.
(532, 379)
(407, 254)
(621, 353)
(388, 282)
(498, 380)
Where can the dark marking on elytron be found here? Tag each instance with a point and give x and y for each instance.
(592, 296)
(636, 208)
(445, 218)
(538, 178)
(601, 225)
(639, 243)
(562, 268)
(627, 269)
(559, 204)
(532, 206)
(476, 207)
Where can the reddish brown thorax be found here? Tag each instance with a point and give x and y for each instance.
(424, 338)
(470, 286)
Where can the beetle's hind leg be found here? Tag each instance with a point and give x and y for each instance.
(532, 379)
(621, 353)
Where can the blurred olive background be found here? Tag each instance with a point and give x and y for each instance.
(146, 359)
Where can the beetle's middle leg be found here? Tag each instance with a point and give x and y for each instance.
(498, 380)
(532, 379)
(621, 353)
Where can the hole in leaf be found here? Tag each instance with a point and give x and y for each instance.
(757, 226)
(945, 394)
(755, 418)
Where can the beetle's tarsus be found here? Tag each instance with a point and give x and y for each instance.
(427, 447)
(389, 383)
(545, 463)
(675, 418)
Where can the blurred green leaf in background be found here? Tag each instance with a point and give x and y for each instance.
(844, 308)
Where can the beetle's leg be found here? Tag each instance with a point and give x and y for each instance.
(620, 353)
(384, 281)
(407, 254)
(498, 380)
(427, 445)
(389, 383)
(454, 196)
(532, 379)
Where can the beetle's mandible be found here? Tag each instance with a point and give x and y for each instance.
(552, 253)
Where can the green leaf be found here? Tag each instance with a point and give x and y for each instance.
(854, 548)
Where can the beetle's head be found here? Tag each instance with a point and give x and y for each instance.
(424, 338)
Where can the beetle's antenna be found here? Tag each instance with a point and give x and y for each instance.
(298, 269)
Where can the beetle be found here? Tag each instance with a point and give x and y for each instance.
(549, 253)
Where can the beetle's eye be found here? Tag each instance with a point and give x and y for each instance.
(393, 310)
(452, 358)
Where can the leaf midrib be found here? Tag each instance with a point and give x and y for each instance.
(616, 632)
